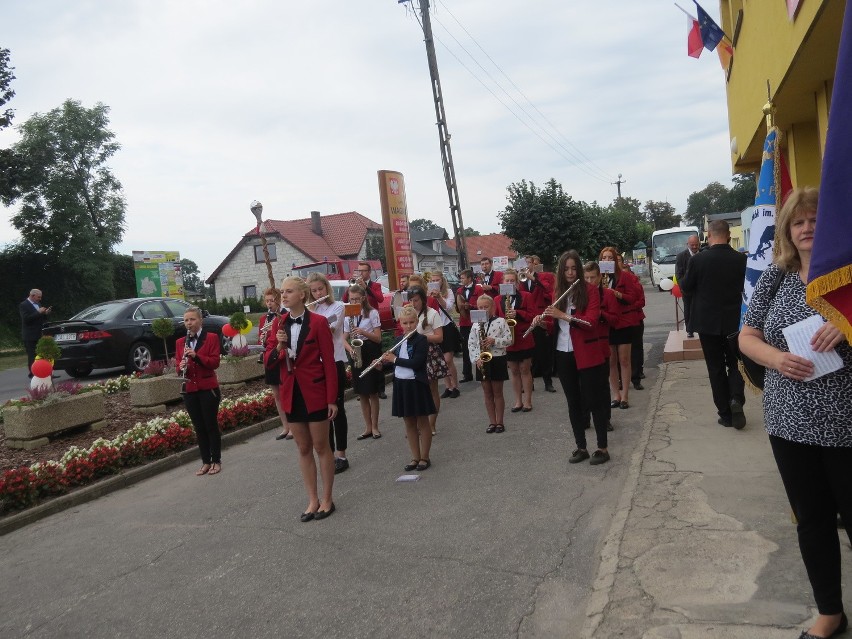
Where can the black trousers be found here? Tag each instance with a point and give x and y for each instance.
(818, 481)
(542, 364)
(30, 347)
(338, 428)
(587, 391)
(637, 353)
(687, 313)
(467, 369)
(725, 379)
(203, 409)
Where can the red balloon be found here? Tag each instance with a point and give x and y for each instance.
(229, 331)
(676, 291)
(42, 368)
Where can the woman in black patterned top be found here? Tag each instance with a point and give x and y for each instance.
(809, 421)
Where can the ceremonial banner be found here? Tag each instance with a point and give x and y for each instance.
(830, 277)
(398, 255)
(158, 274)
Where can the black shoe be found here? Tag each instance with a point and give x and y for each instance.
(491, 428)
(322, 514)
(738, 419)
(599, 457)
(465, 380)
(340, 465)
(500, 429)
(844, 624)
(690, 335)
(281, 436)
(411, 466)
(455, 393)
(423, 466)
(364, 436)
(577, 456)
(526, 409)
(550, 388)
(615, 403)
(725, 422)
(447, 393)
(638, 385)
(306, 517)
(517, 409)
(382, 395)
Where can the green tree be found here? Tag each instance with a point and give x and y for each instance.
(422, 224)
(711, 199)
(629, 205)
(375, 250)
(192, 277)
(9, 161)
(469, 232)
(123, 276)
(742, 194)
(544, 221)
(661, 215)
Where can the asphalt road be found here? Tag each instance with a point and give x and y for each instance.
(500, 538)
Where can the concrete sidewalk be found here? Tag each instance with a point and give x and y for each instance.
(702, 543)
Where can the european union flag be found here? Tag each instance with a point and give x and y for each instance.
(711, 33)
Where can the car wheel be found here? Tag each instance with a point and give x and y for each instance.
(140, 356)
(80, 371)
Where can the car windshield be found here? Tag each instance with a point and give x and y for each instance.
(666, 247)
(109, 310)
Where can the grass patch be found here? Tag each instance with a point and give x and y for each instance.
(15, 360)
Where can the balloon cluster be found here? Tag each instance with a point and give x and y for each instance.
(42, 370)
(237, 336)
(672, 286)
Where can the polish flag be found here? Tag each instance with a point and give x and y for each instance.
(694, 43)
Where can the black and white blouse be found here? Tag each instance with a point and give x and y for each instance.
(818, 412)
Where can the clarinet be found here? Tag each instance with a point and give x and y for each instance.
(185, 360)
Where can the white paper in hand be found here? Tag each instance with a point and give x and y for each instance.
(798, 338)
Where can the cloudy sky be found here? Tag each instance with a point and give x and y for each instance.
(298, 104)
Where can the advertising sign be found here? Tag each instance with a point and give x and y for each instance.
(398, 255)
(158, 274)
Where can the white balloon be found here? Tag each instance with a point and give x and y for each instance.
(41, 382)
(666, 284)
(238, 341)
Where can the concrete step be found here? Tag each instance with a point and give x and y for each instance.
(679, 347)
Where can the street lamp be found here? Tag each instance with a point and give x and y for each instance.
(257, 211)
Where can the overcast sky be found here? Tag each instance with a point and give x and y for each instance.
(298, 104)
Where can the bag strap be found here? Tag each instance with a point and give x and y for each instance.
(776, 283)
(444, 311)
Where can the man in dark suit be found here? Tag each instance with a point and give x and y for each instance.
(714, 279)
(680, 270)
(490, 279)
(33, 317)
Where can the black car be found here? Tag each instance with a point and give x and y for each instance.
(119, 333)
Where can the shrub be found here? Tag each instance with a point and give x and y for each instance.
(46, 348)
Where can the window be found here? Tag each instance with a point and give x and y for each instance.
(176, 308)
(249, 292)
(258, 253)
(150, 310)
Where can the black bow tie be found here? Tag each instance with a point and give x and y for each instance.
(294, 320)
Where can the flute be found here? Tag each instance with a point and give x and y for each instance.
(538, 318)
(390, 350)
(322, 299)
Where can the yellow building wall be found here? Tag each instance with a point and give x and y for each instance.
(797, 59)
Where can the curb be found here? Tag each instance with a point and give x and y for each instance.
(605, 579)
(135, 475)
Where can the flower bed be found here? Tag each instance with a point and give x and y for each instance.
(22, 487)
(29, 423)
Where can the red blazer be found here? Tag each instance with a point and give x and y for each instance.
(541, 289)
(525, 313)
(610, 314)
(585, 338)
(201, 369)
(261, 323)
(374, 295)
(632, 296)
(464, 314)
(314, 368)
(496, 281)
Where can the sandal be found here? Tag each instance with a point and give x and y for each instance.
(215, 469)
(203, 470)
(422, 466)
(412, 465)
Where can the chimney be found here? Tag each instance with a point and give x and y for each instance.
(316, 225)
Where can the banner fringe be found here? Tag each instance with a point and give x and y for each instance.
(825, 284)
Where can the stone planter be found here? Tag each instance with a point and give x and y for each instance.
(30, 426)
(238, 371)
(152, 394)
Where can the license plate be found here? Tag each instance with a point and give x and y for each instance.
(65, 337)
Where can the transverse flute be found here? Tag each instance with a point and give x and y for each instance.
(538, 318)
(390, 350)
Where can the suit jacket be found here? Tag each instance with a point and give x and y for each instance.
(714, 280)
(313, 367)
(681, 263)
(201, 369)
(632, 299)
(541, 289)
(495, 280)
(418, 350)
(31, 321)
(464, 314)
(584, 338)
(610, 315)
(374, 295)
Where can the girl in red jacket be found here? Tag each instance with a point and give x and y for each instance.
(301, 347)
(609, 319)
(520, 352)
(198, 358)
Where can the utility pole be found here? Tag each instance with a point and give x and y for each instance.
(444, 137)
(618, 184)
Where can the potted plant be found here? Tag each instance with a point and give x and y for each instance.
(237, 367)
(163, 328)
(155, 387)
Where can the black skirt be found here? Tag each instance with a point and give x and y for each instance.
(452, 339)
(411, 399)
(520, 356)
(299, 411)
(372, 382)
(497, 370)
(619, 336)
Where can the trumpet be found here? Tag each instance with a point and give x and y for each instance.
(523, 275)
(511, 323)
(356, 343)
(538, 318)
(353, 281)
(390, 350)
(317, 301)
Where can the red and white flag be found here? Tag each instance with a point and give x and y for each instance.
(694, 43)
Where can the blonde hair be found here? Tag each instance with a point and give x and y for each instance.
(444, 286)
(801, 200)
(300, 284)
(195, 310)
(407, 311)
(510, 271)
(319, 277)
(415, 279)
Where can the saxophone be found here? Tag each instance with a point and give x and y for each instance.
(356, 343)
(484, 355)
(512, 323)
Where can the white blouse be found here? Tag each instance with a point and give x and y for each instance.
(498, 329)
(432, 320)
(333, 312)
(369, 323)
(450, 301)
